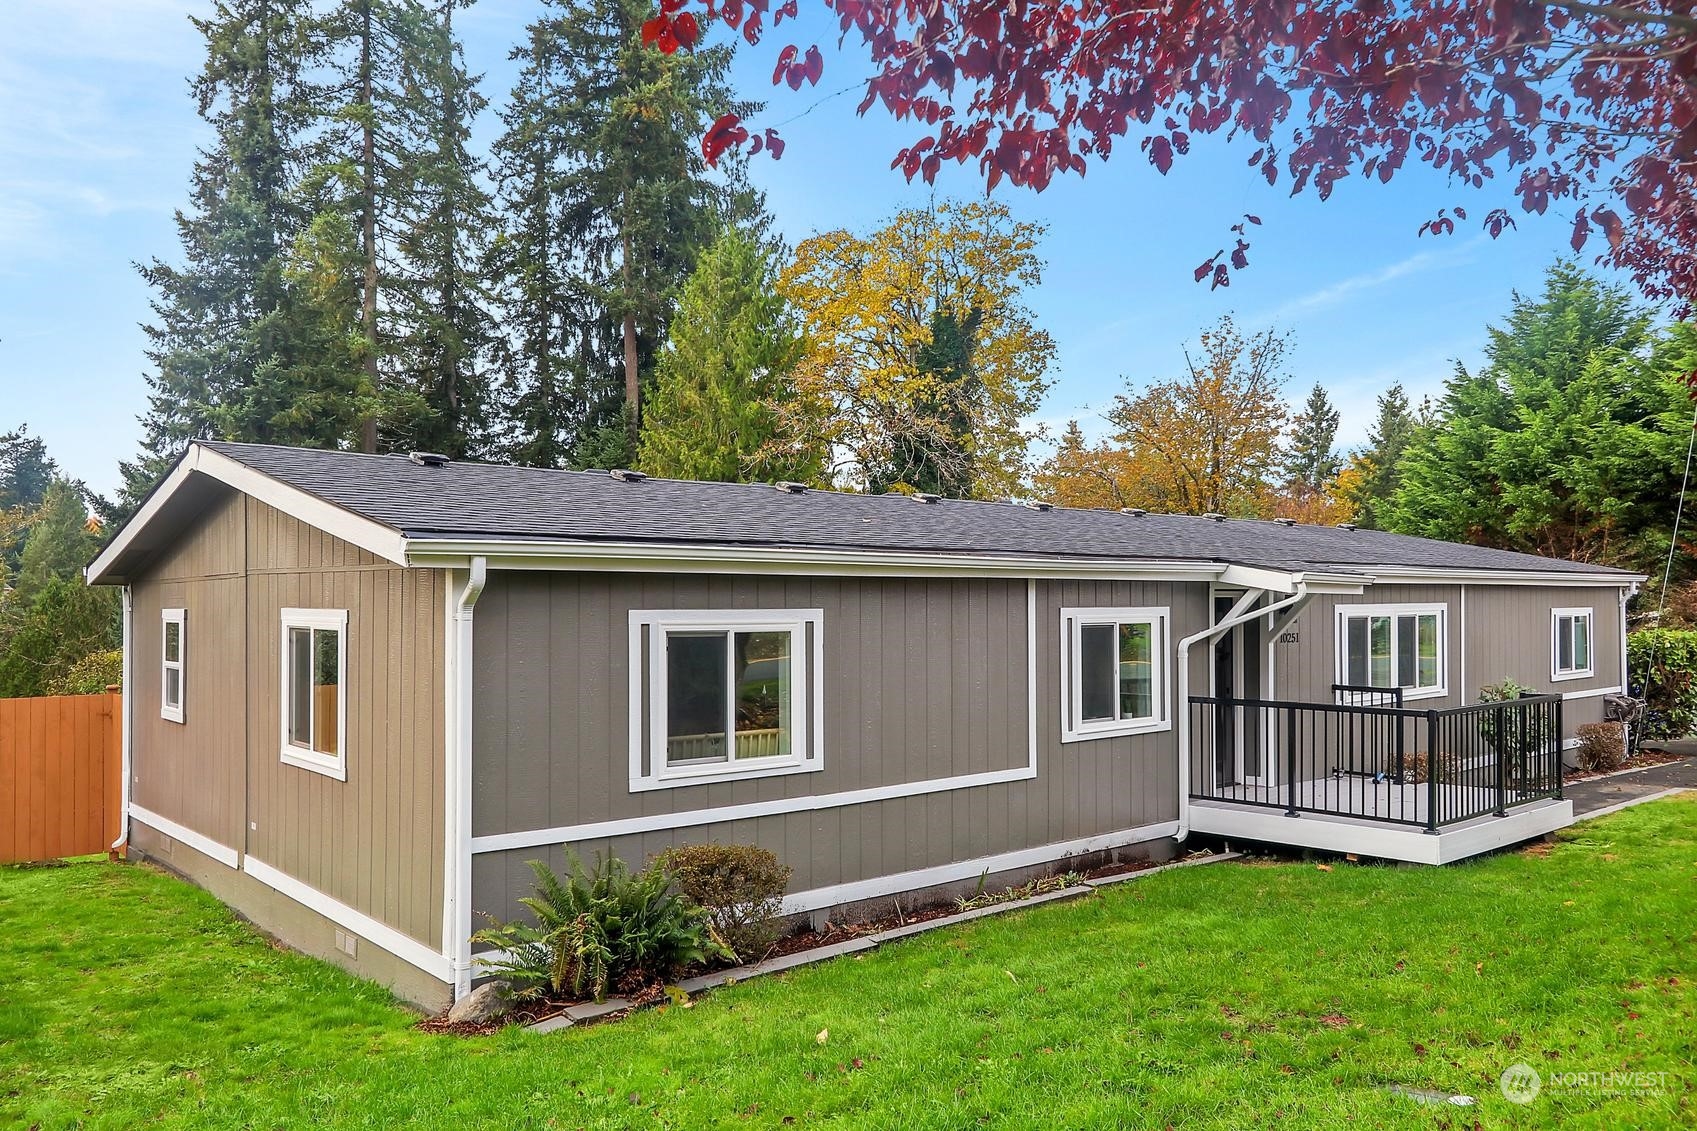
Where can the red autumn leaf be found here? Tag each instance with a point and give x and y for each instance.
(813, 66)
(651, 30)
(785, 58)
(687, 31)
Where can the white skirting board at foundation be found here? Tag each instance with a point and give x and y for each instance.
(201, 843)
(404, 947)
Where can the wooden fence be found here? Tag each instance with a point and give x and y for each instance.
(60, 775)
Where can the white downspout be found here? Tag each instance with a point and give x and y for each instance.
(456, 920)
(1240, 614)
(126, 708)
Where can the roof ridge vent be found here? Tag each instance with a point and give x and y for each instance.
(1134, 512)
(1040, 505)
(624, 475)
(1285, 521)
(1346, 526)
(1215, 515)
(428, 459)
(791, 487)
(927, 497)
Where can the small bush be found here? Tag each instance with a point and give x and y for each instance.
(740, 886)
(600, 929)
(1662, 667)
(1602, 746)
(91, 675)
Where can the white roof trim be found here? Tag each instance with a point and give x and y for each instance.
(1440, 575)
(384, 541)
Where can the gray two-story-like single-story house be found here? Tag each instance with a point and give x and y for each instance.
(361, 691)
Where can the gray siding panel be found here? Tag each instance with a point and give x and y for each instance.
(923, 679)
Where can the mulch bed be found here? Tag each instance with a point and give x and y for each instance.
(797, 942)
(1646, 758)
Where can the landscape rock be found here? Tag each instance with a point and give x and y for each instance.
(482, 1005)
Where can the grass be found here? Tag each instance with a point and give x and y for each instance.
(1235, 995)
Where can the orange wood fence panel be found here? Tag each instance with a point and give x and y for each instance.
(60, 775)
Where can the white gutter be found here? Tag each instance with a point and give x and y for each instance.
(1240, 613)
(126, 708)
(456, 912)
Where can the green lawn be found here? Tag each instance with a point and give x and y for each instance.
(1233, 995)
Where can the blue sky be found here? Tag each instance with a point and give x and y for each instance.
(97, 134)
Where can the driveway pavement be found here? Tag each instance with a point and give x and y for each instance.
(1603, 793)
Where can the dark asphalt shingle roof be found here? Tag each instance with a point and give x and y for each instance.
(472, 500)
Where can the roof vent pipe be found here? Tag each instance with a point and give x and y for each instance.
(624, 476)
(1215, 515)
(428, 459)
(927, 497)
(1346, 526)
(1285, 521)
(1039, 505)
(1134, 512)
(791, 487)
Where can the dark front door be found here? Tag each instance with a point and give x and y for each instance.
(1225, 687)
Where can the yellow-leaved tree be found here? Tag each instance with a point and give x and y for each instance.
(921, 359)
(1205, 442)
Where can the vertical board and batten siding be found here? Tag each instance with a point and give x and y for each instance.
(195, 772)
(1509, 637)
(922, 679)
(373, 842)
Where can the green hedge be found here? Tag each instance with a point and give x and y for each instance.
(1663, 662)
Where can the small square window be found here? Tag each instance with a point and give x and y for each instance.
(173, 647)
(314, 701)
(1113, 665)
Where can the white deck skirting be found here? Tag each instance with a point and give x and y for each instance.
(1367, 837)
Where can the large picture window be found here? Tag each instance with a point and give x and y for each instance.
(173, 643)
(1393, 646)
(730, 694)
(314, 663)
(1570, 644)
(1113, 672)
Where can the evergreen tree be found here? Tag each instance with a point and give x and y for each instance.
(1376, 469)
(719, 406)
(1311, 460)
(1569, 442)
(50, 618)
(25, 469)
(237, 351)
(932, 450)
(608, 202)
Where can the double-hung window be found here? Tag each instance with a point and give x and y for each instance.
(1393, 646)
(173, 643)
(1570, 644)
(1113, 672)
(730, 694)
(314, 686)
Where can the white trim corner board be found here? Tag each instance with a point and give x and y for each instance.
(200, 842)
(381, 935)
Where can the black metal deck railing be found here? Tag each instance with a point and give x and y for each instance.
(1377, 761)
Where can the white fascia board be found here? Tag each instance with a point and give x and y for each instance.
(688, 558)
(384, 541)
(1433, 575)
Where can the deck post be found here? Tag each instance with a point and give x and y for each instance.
(1558, 741)
(1290, 761)
(1432, 772)
(1508, 734)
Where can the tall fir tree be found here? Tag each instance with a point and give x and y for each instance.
(1376, 468)
(49, 617)
(609, 202)
(1311, 460)
(237, 349)
(26, 469)
(718, 408)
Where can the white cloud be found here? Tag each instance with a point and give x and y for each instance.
(1344, 290)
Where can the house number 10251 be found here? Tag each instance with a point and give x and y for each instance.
(1289, 637)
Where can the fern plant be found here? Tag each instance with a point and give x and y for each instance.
(597, 929)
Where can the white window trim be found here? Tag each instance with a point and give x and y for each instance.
(1074, 729)
(1590, 669)
(178, 617)
(648, 685)
(1341, 632)
(334, 766)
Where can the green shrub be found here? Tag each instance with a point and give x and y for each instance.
(91, 675)
(1514, 736)
(600, 929)
(741, 887)
(1662, 668)
(1602, 746)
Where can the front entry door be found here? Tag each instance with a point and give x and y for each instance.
(1237, 675)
